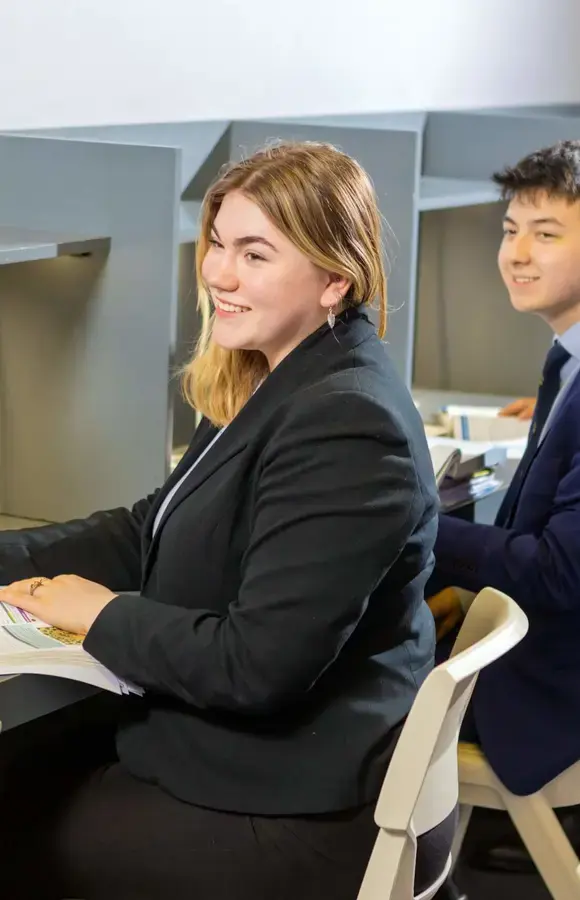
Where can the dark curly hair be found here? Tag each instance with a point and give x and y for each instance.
(555, 170)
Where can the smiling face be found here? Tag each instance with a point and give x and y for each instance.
(267, 295)
(539, 258)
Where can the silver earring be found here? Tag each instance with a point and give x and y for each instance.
(331, 318)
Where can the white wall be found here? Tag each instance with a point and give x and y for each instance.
(85, 62)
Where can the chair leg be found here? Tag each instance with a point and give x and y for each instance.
(547, 844)
(464, 819)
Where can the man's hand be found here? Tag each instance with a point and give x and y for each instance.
(447, 611)
(520, 409)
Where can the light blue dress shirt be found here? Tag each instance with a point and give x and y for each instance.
(570, 340)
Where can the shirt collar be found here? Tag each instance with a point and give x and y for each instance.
(570, 340)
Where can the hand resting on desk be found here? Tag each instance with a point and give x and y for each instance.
(520, 409)
(67, 601)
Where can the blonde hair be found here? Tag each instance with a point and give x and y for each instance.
(321, 200)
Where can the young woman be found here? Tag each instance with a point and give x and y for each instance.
(279, 633)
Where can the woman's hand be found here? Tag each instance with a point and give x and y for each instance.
(67, 601)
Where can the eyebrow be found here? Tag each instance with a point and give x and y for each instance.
(248, 239)
(547, 220)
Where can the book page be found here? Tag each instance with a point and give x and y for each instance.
(21, 626)
(29, 645)
(444, 459)
(515, 448)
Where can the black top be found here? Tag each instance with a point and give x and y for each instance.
(280, 632)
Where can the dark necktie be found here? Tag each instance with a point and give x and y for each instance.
(547, 393)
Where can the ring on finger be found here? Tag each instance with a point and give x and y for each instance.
(34, 585)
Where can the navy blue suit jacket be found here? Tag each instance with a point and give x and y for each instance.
(527, 705)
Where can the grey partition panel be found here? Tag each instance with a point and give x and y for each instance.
(188, 325)
(196, 139)
(458, 145)
(392, 160)
(468, 337)
(85, 342)
(405, 121)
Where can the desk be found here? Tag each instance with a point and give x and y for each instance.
(27, 698)
(483, 510)
(51, 723)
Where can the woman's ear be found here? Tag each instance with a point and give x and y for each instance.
(335, 292)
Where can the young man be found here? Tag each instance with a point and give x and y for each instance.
(525, 706)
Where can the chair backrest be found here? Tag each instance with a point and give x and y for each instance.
(421, 787)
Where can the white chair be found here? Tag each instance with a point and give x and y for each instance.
(421, 785)
(533, 817)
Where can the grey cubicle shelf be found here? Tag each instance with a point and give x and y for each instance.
(22, 245)
(435, 193)
(189, 214)
(102, 328)
(446, 193)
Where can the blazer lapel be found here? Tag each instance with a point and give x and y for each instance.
(233, 440)
(230, 443)
(521, 473)
(570, 386)
(201, 438)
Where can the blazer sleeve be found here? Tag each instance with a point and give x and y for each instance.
(105, 547)
(541, 572)
(337, 499)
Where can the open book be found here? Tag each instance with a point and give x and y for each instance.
(30, 646)
(464, 460)
(445, 460)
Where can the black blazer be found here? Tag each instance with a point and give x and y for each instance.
(280, 632)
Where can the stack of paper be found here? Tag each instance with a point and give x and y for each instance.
(30, 646)
(512, 449)
(483, 423)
